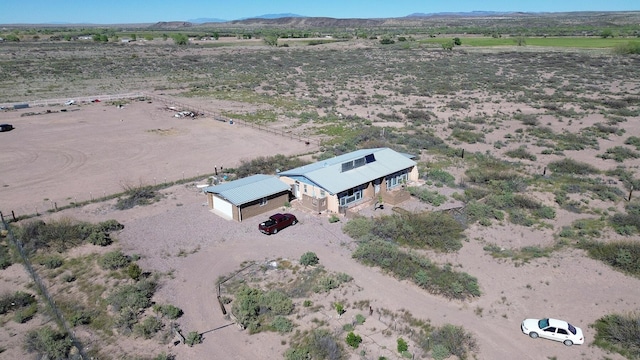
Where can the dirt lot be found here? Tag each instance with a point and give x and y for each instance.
(92, 149)
(96, 148)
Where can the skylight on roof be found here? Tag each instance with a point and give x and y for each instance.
(353, 164)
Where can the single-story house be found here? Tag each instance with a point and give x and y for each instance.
(243, 198)
(344, 181)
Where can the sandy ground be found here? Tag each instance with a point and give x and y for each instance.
(555, 286)
(97, 149)
(94, 149)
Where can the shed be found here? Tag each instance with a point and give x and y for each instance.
(247, 197)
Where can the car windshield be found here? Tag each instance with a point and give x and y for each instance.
(572, 329)
(543, 323)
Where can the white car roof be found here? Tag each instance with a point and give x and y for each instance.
(558, 323)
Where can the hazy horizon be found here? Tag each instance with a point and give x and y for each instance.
(132, 12)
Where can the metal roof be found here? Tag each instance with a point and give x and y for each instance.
(248, 189)
(329, 175)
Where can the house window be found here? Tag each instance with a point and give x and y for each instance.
(350, 196)
(322, 193)
(305, 188)
(263, 201)
(396, 179)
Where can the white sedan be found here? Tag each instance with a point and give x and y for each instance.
(553, 329)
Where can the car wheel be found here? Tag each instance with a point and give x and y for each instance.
(568, 342)
(275, 231)
(533, 335)
(294, 222)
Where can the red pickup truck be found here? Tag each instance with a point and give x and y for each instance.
(276, 223)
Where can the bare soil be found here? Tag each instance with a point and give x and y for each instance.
(94, 149)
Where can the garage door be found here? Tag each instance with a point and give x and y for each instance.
(223, 206)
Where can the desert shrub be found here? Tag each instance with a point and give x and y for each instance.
(633, 141)
(253, 307)
(6, 257)
(545, 212)
(437, 230)
(15, 301)
(487, 169)
(134, 296)
(431, 197)
(309, 258)
(629, 223)
(64, 234)
(267, 165)
(402, 345)
(520, 217)
(137, 195)
(52, 262)
(282, 325)
(148, 327)
(81, 317)
(520, 153)
(455, 339)
(477, 211)
(113, 260)
(619, 333)
(277, 302)
(339, 308)
(126, 320)
(527, 119)
(193, 338)
(47, 342)
(100, 238)
(168, 311)
(440, 352)
(441, 281)
(570, 166)
(619, 154)
(110, 225)
(58, 235)
(469, 137)
(359, 228)
(353, 340)
(25, 314)
(360, 319)
(439, 176)
(327, 283)
(318, 344)
(165, 356)
(134, 271)
(457, 105)
(621, 255)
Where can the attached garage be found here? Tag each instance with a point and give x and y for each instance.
(247, 197)
(223, 206)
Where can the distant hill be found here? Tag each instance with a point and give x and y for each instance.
(463, 14)
(205, 20)
(275, 16)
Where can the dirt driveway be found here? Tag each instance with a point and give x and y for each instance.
(566, 285)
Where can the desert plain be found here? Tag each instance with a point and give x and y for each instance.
(323, 100)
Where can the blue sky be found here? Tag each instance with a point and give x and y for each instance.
(151, 11)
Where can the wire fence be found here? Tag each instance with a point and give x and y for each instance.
(170, 102)
(42, 289)
(219, 117)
